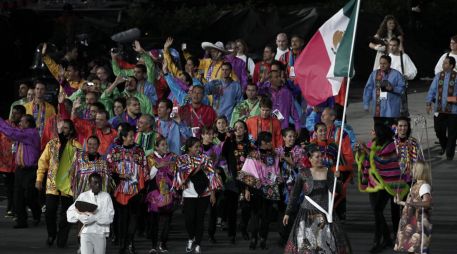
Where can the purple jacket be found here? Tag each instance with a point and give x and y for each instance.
(28, 141)
(284, 102)
(239, 67)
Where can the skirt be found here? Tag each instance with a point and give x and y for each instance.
(312, 234)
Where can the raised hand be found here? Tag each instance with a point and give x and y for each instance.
(77, 103)
(137, 47)
(168, 43)
(43, 48)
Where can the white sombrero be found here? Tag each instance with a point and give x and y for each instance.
(218, 46)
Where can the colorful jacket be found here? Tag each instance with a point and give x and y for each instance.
(187, 165)
(380, 170)
(130, 165)
(49, 163)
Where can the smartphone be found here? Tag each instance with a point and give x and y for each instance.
(174, 112)
(90, 84)
(183, 46)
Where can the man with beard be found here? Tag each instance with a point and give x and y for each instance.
(55, 162)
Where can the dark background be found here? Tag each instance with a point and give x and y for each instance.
(25, 23)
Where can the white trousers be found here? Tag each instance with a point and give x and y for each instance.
(93, 243)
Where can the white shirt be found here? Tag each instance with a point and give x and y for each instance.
(279, 53)
(190, 191)
(250, 63)
(425, 189)
(408, 65)
(103, 215)
(439, 65)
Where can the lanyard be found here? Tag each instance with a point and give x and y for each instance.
(199, 119)
(39, 117)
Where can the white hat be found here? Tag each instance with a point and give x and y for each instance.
(218, 46)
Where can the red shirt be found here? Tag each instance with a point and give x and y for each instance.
(87, 128)
(256, 124)
(197, 117)
(259, 69)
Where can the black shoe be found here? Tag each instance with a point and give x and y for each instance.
(263, 244)
(253, 243)
(449, 158)
(131, 249)
(233, 240)
(50, 240)
(162, 248)
(212, 239)
(20, 226)
(441, 152)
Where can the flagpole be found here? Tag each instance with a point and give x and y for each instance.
(340, 141)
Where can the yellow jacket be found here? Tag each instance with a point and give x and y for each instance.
(55, 68)
(49, 162)
(217, 69)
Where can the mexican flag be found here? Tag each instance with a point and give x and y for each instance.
(325, 61)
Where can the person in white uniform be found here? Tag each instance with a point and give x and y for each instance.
(453, 53)
(95, 224)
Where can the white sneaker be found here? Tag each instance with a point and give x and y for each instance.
(189, 246)
(197, 249)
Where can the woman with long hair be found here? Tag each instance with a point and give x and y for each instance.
(235, 150)
(389, 28)
(196, 178)
(380, 176)
(128, 166)
(261, 177)
(241, 48)
(160, 199)
(314, 230)
(415, 229)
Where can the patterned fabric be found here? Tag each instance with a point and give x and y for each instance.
(329, 152)
(262, 172)
(49, 163)
(409, 152)
(160, 197)
(187, 165)
(130, 165)
(289, 172)
(7, 160)
(415, 229)
(380, 170)
(311, 232)
(450, 92)
(40, 113)
(82, 168)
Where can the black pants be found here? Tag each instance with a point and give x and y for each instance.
(231, 208)
(128, 219)
(162, 220)
(194, 212)
(143, 224)
(215, 212)
(261, 210)
(245, 215)
(378, 201)
(284, 231)
(9, 186)
(25, 194)
(52, 205)
(446, 132)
